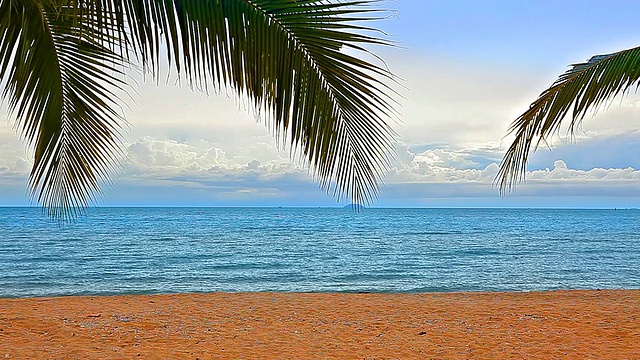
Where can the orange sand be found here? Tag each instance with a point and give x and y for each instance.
(545, 325)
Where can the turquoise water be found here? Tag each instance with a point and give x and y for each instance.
(165, 250)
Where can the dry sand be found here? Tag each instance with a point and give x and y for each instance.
(544, 325)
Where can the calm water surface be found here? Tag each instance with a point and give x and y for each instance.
(164, 250)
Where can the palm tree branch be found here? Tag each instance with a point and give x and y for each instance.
(585, 86)
(61, 89)
(287, 57)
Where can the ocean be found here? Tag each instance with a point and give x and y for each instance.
(168, 250)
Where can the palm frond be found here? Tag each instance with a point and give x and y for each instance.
(60, 87)
(585, 86)
(289, 58)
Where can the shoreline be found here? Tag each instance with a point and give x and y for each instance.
(356, 292)
(536, 324)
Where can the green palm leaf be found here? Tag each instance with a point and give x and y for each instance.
(287, 56)
(60, 86)
(585, 86)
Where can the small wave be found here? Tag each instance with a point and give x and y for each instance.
(166, 238)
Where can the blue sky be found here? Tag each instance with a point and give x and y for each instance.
(469, 68)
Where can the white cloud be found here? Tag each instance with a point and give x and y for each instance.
(14, 159)
(561, 172)
(201, 160)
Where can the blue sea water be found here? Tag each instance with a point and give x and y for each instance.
(166, 250)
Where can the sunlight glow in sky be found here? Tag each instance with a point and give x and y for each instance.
(469, 67)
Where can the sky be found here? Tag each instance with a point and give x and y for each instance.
(468, 69)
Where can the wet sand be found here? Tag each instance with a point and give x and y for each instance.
(544, 325)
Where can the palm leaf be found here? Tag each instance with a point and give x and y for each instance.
(585, 86)
(60, 86)
(287, 56)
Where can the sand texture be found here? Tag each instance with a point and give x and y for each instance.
(543, 325)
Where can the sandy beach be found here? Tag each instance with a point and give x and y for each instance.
(545, 325)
